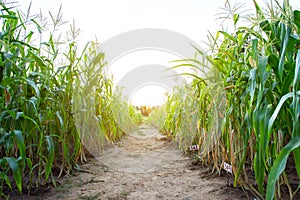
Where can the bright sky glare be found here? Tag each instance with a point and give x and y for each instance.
(155, 98)
(106, 18)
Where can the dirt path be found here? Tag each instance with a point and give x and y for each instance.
(144, 165)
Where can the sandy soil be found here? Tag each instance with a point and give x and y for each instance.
(143, 165)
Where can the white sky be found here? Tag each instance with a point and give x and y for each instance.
(159, 91)
(106, 18)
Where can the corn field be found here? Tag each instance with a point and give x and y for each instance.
(243, 104)
(44, 91)
(242, 107)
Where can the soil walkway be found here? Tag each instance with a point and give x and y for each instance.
(143, 165)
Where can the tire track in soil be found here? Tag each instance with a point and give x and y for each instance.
(143, 165)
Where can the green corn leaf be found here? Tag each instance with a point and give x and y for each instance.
(297, 72)
(265, 26)
(97, 59)
(296, 107)
(52, 43)
(297, 151)
(246, 138)
(259, 12)
(29, 163)
(276, 111)
(3, 176)
(262, 68)
(254, 49)
(8, 16)
(297, 19)
(21, 144)
(25, 44)
(193, 63)
(35, 87)
(11, 113)
(17, 174)
(273, 62)
(50, 159)
(279, 166)
(38, 60)
(7, 81)
(21, 114)
(227, 35)
(236, 18)
(20, 80)
(61, 121)
(39, 28)
(260, 116)
(285, 36)
(29, 36)
(287, 81)
(32, 106)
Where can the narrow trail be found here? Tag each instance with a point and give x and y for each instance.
(143, 165)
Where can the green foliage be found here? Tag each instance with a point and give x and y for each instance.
(135, 115)
(13, 164)
(43, 91)
(243, 105)
(157, 118)
(279, 166)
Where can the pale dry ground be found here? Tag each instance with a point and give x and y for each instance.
(143, 165)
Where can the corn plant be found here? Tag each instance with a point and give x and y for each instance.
(41, 87)
(32, 92)
(247, 105)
